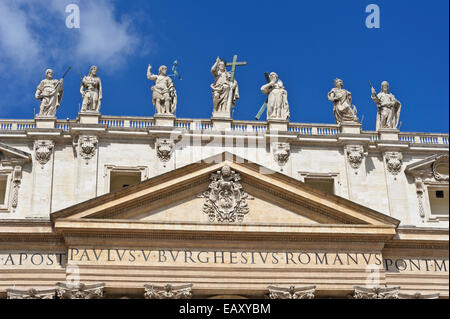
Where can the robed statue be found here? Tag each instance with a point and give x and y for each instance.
(389, 107)
(164, 93)
(343, 109)
(49, 92)
(91, 91)
(225, 91)
(277, 103)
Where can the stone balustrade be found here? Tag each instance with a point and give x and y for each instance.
(237, 126)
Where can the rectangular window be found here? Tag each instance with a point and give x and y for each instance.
(438, 200)
(120, 180)
(323, 184)
(3, 185)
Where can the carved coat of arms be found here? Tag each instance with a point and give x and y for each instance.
(226, 202)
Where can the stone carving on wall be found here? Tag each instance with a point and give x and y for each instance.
(355, 155)
(87, 147)
(43, 151)
(49, 92)
(394, 161)
(418, 296)
(292, 292)
(281, 153)
(17, 179)
(389, 107)
(226, 202)
(440, 168)
(164, 150)
(168, 291)
(164, 93)
(80, 291)
(30, 294)
(277, 103)
(91, 92)
(376, 293)
(343, 109)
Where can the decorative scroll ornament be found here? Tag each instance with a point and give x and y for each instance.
(164, 150)
(292, 292)
(394, 161)
(43, 151)
(419, 296)
(440, 168)
(376, 293)
(88, 146)
(80, 291)
(168, 291)
(17, 178)
(225, 202)
(355, 155)
(30, 294)
(281, 153)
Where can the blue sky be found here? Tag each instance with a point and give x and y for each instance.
(308, 43)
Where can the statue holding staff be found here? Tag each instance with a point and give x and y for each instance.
(91, 91)
(277, 103)
(164, 92)
(49, 92)
(389, 107)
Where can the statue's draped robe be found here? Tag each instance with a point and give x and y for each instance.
(389, 108)
(164, 90)
(343, 109)
(51, 96)
(93, 94)
(220, 90)
(277, 105)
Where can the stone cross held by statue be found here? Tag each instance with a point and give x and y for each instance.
(233, 65)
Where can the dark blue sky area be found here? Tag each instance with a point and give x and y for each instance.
(308, 43)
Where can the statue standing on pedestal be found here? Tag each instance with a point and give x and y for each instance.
(221, 88)
(343, 109)
(277, 104)
(49, 92)
(91, 91)
(164, 92)
(389, 107)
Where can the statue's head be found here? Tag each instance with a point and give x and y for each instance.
(385, 87)
(226, 171)
(49, 74)
(93, 70)
(273, 77)
(162, 70)
(222, 66)
(338, 83)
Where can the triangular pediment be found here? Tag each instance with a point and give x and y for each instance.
(11, 155)
(178, 197)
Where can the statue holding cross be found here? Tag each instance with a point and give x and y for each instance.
(225, 89)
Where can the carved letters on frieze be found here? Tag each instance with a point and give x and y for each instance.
(292, 292)
(394, 161)
(376, 293)
(226, 202)
(168, 291)
(43, 151)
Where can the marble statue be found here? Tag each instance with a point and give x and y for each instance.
(164, 92)
(91, 91)
(277, 104)
(343, 109)
(49, 92)
(221, 88)
(389, 107)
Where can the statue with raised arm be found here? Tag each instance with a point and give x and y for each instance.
(343, 109)
(277, 104)
(91, 91)
(221, 88)
(389, 107)
(164, 92)
(49, 92)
